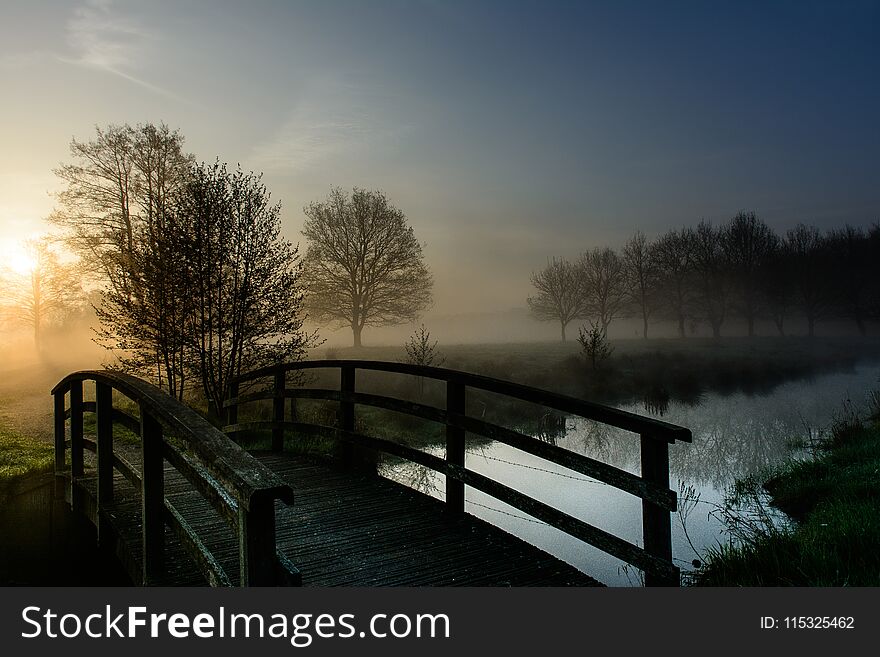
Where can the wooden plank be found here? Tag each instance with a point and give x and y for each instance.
(208, 565)
(346, 529)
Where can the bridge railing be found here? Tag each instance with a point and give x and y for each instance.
(239, 487)
(654, 557)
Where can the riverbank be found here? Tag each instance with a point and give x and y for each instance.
(833, 502)
(22, 457)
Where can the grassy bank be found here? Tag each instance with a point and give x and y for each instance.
(21, 456)
(833, 500)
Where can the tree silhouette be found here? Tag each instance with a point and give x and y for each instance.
(604, 285)
(749, 245)
(48, 293)
(113, 209)
(363, 266)
(642, 276)
(561, 293)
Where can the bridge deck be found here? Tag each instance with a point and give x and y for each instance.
(344, 529)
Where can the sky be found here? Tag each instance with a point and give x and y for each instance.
(508, 132)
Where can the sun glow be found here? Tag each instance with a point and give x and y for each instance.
(14, 256)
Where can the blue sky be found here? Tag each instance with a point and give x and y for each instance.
(507, 131)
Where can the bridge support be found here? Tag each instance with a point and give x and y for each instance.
(455, 405)
(656, 520)
(152, 497)
(256, 543)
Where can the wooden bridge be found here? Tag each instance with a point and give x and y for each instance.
(183, 504)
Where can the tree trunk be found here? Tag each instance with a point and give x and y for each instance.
(645, 326)
(356, 331)
(563, 331)
(681, 332)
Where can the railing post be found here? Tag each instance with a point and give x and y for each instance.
(455, 404)
(256, 542)
(346, 414)
(278, 412)
(232, 411)
(152, 496)
(76, 429)
(104, 413)
(59, 432)
(656, 521)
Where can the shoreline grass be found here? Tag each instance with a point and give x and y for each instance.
(833, 500)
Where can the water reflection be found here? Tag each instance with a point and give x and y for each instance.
(734, 435)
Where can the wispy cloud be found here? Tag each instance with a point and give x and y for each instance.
(331, 119)
(102, 38)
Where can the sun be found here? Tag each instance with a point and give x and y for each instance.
(14, 256)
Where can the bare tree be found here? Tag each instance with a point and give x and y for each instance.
(777, 286)
(712, 284)
(421, 351)
(112, 208)
(810, 276)
(674, 256)
(640, 269)
(48, 293)
(749, 244)
(853, 273)
(605, 284)
(808, 252)
(363, 266)
(561, 293)
(115, 189)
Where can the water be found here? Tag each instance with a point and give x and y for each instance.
(733, 436)
(43, 543)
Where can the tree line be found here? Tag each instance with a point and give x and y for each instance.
(709, 274)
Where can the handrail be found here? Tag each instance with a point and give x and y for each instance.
(652, 486)
(572, 405)
(241, 488)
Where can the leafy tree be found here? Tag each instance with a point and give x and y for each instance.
(244, 279)
(560, 296)
(363, 266)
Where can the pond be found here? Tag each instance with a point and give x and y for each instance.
(734, 435)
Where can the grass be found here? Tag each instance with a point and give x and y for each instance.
(834, 501)
(21, 457)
